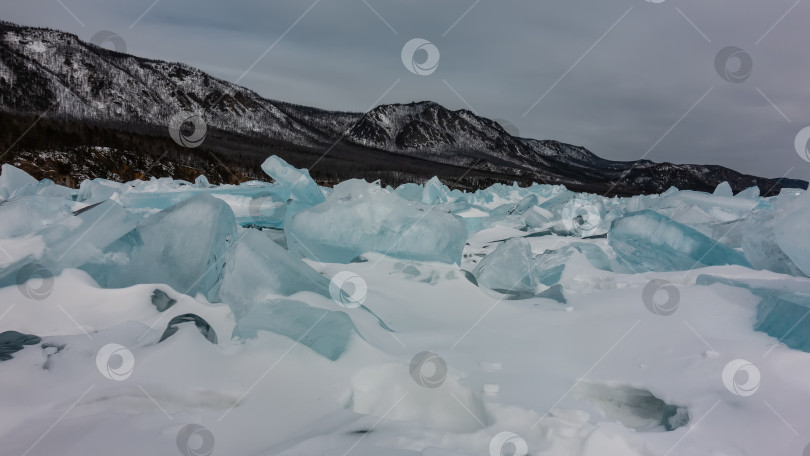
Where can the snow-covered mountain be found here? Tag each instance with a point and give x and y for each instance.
(48, 71)
(41, 69)
(432, 130)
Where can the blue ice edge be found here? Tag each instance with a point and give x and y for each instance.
(297, 321)
(780, 314)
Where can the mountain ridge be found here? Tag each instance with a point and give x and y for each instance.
(56, 73)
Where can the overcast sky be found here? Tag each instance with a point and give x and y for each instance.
(624, 78)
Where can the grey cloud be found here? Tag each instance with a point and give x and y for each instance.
(501, 57)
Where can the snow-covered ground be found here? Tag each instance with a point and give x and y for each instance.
(169, 317)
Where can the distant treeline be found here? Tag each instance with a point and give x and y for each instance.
(140, 150)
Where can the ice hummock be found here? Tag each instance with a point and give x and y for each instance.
(327, 332)
(723, 189)
(291, 182)
(649, 241)
(783, 309)
(790, 234)
(257, 270)
(435, 192)
(183, 246)
(508, 269)
(360, 217)
(15, 182)
(513, 270)
(326, 374)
